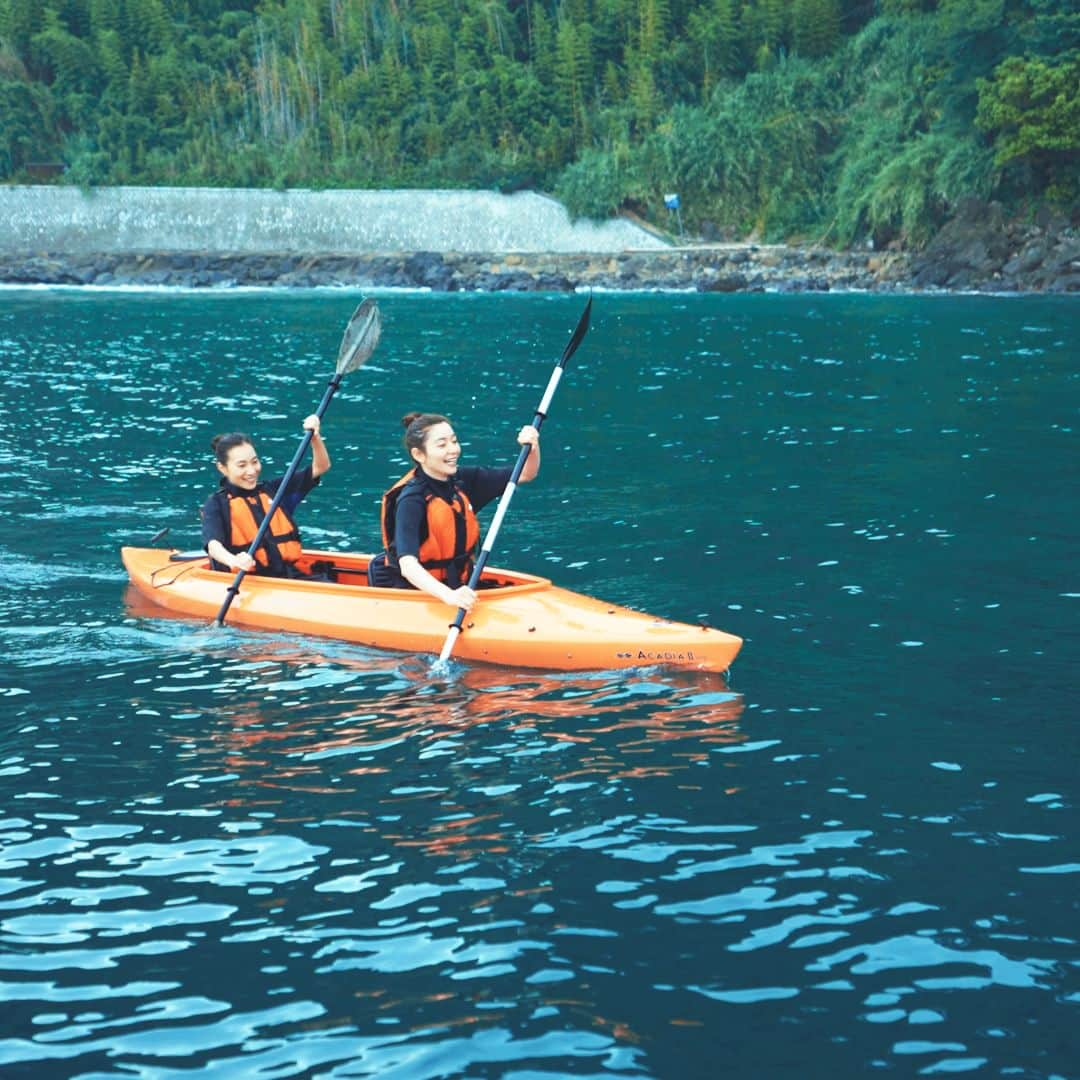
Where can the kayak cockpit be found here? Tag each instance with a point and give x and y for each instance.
(347, 568)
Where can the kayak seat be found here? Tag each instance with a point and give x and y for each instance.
(380, 576)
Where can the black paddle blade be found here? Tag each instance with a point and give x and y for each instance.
(360, 337)
(579, 333)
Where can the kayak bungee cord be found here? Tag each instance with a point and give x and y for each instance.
(174, 579)
(511, 484)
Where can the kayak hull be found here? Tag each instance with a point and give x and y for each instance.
(519, 620)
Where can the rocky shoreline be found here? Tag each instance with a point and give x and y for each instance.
(978, 251)
(748, 268)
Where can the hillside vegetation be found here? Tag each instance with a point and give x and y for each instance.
(831, 120)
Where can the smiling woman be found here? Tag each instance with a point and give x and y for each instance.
(231, 517)
(429, 524)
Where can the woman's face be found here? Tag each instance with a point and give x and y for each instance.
(439, 455)
(242, 467)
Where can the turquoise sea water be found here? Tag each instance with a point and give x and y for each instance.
(229, 853)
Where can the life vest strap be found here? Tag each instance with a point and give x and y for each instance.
(247, 514)
(454, 569)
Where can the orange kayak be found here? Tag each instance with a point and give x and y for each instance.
(519, 620)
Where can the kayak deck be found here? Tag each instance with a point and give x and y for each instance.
(519, 619)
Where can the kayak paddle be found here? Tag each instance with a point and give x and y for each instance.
(511, 484)
(357, 344)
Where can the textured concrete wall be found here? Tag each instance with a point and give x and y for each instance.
(130, 219)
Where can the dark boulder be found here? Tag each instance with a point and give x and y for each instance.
(971, 248)
(725, 283)
(428, 269)
(549, 282)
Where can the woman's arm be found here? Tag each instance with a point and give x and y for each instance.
(528, 435)
(220, 553)
(418, 577)
(320, 459)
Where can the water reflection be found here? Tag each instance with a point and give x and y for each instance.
(288, 695)
(231, 853)
(337, 819)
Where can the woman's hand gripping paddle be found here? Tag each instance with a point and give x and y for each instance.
(357, 344)
(511, 484)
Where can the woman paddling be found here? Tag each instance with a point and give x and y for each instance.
(429, 524)
(232, 515)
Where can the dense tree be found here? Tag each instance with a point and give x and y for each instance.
(846, 119)
(20, 20)
(1032, 110)
(24, 126)
(815, 27)
(66, 61)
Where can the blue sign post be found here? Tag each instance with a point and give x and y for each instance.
(671, 201)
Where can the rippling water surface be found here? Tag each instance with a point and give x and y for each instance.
(231, 853)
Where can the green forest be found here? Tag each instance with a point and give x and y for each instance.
(837, 121)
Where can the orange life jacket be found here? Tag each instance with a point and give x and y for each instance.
(282, 532)
(448, 536)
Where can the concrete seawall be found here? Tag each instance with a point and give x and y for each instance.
(139, 219)
(473, 241)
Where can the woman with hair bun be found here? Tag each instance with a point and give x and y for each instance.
(232, 515)
(429, 525)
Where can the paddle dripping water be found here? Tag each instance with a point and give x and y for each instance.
(242, 851)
